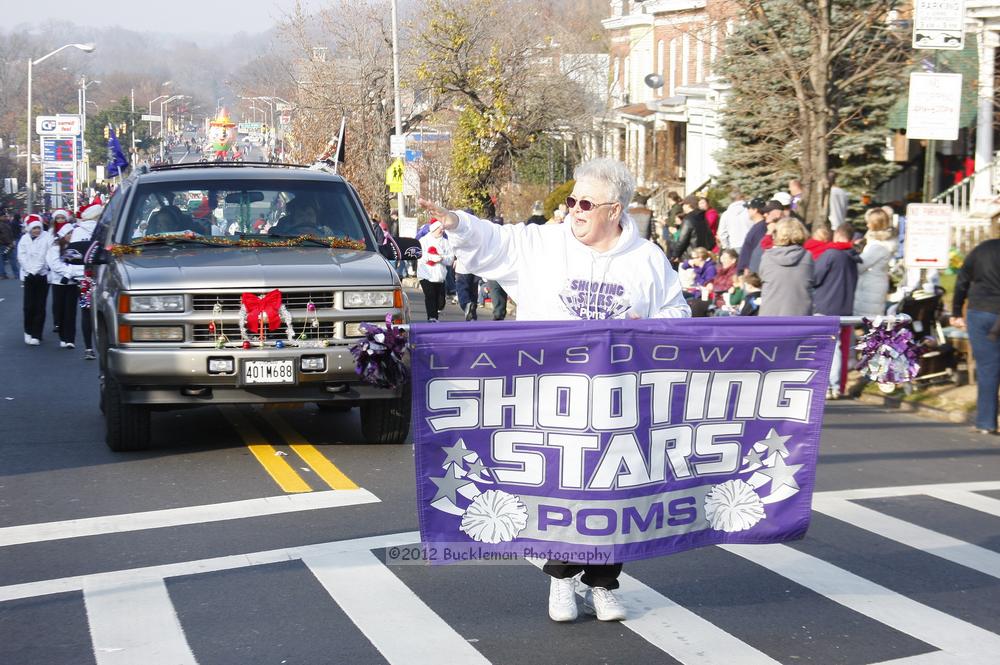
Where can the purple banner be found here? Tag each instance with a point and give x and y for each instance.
(596, 441)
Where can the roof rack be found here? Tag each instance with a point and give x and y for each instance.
(198, 165)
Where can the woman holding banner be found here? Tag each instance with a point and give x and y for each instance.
(593, 266)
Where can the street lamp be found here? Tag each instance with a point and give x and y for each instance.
(86, 48)
(163, 106)
(84, 84)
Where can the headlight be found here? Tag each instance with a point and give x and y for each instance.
(157, 333)
(356, 299)
(157, 303)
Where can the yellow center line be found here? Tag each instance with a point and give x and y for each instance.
(323, 467)
(280, 470)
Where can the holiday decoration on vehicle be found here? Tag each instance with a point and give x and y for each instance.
(379, 355)
(260, 313)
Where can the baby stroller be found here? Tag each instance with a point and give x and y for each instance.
(940, 361)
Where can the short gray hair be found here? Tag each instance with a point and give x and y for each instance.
(614, 173)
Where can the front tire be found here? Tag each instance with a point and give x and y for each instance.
(387, 421)
(128, 426)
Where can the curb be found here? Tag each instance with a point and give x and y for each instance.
(916, 408)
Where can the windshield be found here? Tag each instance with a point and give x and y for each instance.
(265, 211)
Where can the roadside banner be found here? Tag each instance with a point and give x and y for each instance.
(598, 441)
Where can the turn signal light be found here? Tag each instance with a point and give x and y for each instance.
(124, 304)
(397, 298)
(124, 332)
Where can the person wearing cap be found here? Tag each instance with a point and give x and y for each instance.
(765, 215)
(60, 217)
(31, 252)
(435, 257)
(592, 266)
(65, 279)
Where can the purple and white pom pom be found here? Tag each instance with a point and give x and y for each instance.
(889, 354)
(378, 357)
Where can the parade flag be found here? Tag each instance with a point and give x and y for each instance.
(117, 162)
(616, 440)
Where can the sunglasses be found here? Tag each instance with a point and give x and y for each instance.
(585, 205)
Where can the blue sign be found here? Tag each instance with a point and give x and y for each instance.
(413, 155)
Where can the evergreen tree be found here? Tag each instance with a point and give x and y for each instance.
(812, 85)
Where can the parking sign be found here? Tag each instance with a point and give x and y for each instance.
(939, 24)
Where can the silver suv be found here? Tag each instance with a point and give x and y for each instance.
(192, 260)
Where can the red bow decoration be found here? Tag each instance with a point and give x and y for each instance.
(268, 303)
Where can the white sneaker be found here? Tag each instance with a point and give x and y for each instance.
(68, 345)
(562, 599)
(89, 355)
(34, 342)
(27, 338)
(602, 602)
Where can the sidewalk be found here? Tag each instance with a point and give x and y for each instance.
(944, 402)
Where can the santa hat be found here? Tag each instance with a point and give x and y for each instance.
(61, 211)
(65, 230)
(97, 200)
(92, 213)
(31, 221)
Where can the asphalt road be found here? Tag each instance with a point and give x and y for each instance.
(235, 570)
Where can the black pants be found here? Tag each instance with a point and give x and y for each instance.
(36, 292)
(604, 575)
(499, 298)
(467, 287)
(65, 301)
(433, 297)
(87, 328)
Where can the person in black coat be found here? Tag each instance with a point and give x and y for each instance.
(754, 234)
(835, 276)
(694, 231)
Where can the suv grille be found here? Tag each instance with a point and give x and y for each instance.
(293, 300)
(326, 330)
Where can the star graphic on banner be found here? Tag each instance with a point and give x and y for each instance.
(456, 454)
(476, 467)
(775, 443)
(781, 474)
(449, 484)
(753, 457)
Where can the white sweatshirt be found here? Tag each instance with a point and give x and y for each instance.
(442, 257)
(58, 269)
(553, 276)
(31, 254)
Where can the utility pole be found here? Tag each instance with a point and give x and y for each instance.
(400, 199)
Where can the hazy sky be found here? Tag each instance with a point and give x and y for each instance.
(175, 16)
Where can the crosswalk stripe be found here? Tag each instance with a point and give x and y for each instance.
(908, 490)
(163, 571)
(983, 504)
(973, 645)
(677, 631)
(400, 625)
(932, 658)
(279, 470)
(135, 623)
(323, 467)
(911, 535)
(158, 519)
